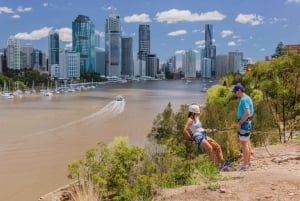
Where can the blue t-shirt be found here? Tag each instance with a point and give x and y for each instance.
(245, 103)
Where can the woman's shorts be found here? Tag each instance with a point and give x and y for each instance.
(198, 137)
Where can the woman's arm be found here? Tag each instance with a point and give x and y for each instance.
(186, 130)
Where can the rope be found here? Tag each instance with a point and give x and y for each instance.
(255, 131)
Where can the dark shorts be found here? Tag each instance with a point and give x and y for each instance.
(246, 128)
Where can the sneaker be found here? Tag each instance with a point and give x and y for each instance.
(243, 167)
(225, 165)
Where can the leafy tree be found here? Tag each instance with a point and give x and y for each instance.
(279, 51)
(279, 82)
(163, 125)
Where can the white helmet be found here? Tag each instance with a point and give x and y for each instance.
(194, 109)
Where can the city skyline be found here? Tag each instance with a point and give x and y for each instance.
(176, 25)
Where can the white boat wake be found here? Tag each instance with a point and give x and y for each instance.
(111, 110)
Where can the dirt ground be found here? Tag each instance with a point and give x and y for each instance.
(273, 176)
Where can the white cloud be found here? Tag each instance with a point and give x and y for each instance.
(180, 52)
(6, 10)
(231, 43)
(262, 49)
(200, 43)
(173, 16)
(65, 34)
(21, 9)
(137, 18)
(252, 19)
(45, 4)
(226, 33)
(177, 33)
(35, 34)
(16, 16)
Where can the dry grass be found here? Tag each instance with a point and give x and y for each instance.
(85, 191)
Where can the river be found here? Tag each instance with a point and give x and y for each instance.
(41, 135)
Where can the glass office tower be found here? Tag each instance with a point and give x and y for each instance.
(83, 32)
(53, 48)
(144, 41)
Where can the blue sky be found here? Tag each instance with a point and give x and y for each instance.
(254, 27)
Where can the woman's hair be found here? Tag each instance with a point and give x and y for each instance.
(190, 114)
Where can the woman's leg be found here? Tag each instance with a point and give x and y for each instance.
(217, 148)
(208, 147)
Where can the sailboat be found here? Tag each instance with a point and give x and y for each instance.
(6, 93)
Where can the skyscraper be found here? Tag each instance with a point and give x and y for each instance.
(210, 49)
(83, 32)
(189, 64)
(53, 48)
(113, 45)
(13, 53)
(144, 41)
(127, 57)
(235, 61)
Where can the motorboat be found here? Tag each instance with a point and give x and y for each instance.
(119, 98)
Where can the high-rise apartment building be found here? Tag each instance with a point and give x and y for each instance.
(222, 65)
(69, 65)
(151, 65)
(26, 51)
(13, 53)
(100, 61)
(127, 57)
(97, 40)
(189, 64)
(113, 46)
(53, 48)
(235, 61)
(37, 59)
(206, 67)
(83, 41)
(144, 41)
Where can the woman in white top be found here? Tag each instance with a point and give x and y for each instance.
(194, 132)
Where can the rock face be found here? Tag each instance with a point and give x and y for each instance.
(61, 194)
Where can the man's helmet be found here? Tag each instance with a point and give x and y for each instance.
(194, 108)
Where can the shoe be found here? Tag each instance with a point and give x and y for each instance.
(243, 167)
(225, 164)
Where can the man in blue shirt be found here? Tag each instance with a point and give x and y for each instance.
(244, 125)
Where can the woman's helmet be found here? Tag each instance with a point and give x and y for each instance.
(194, 108)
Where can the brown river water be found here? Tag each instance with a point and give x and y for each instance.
(41, 135)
